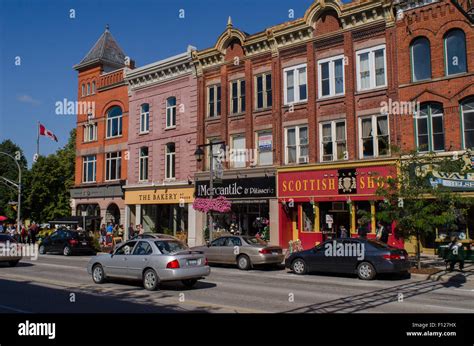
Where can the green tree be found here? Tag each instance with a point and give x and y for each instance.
(51, 177)
(417, 206)
(9, 170)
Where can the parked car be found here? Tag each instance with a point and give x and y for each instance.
(152, 261)
(5, 240)
(67, 242)
(245, 251)
(377, 257)
(150, 235)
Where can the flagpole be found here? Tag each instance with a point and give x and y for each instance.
(38, 141)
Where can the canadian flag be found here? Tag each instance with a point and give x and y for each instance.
(43, 131)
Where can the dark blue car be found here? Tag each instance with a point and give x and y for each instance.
(364, 257)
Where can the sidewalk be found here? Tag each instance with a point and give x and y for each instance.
(434, 269)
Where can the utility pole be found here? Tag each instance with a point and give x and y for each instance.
(18, 186)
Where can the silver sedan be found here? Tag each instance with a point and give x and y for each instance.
(150, 260)
(245, 251)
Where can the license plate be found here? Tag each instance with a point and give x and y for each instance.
(84, 243)
(402, 257)
(274, 253)
(192, 262)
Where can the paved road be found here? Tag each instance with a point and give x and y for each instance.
(61, 284)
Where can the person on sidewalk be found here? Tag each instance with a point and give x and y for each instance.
(343, 231)
(131, 231)
(362, 230)
(454, 248)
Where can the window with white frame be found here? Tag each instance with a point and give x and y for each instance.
(331, 76)
(89, 168)
(171, 112)
(144, 118)
(265, 147)
(296, 144)
(333, 140)
(113, 165)
(214, 100)
(217, 153)
(371, 68)
(263, 91)
(90, 132)
(114, 122)
(374, 138)
(467, 111)
(88, 88)
(143, 164)
(429, 127)
(295, 84)
(237, 96)
(83, 90)
(170, 161)
(93, 87)
(238, 151)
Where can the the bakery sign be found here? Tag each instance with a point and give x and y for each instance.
(333, 182)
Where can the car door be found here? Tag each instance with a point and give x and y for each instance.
(117, 264)
(213, 251)
(57, 242)
(316, 259)
(230, 250)
(49, 242)
(139, 259)
(352, 253)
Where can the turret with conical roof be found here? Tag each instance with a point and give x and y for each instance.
(105, 52)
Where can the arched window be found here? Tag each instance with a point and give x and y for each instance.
(455, 52)
(429, 127)
(88, 88)
(114, 122)
(467, 113)
(171, 112)
(170, 161)
(420, 59)
(144, 118)
(83, 90)
(93, 87)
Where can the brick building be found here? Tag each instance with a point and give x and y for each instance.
(435, 52)
(162, 140)
(102, 132)
(310, 92)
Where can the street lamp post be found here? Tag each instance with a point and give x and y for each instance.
(18, 186)
(199, 153)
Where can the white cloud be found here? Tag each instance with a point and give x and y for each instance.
(27, 99)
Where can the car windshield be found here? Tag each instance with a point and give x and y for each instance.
(254, 241)
(170, 246)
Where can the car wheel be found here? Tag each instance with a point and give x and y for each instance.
(189, 283)
(98, 274)
(243, 262)
(42, 250)
(67, 251)
(366, 271)
(150, 280)
(13, 263)
(299, 266)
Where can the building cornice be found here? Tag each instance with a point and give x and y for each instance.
(352, 16)
(161, 71)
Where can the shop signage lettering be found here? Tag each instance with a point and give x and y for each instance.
(238, 188)
(342, 182)
(171, 196)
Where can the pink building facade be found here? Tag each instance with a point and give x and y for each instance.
(162, 140)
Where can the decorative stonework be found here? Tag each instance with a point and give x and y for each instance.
(286, 35)
(161, 71)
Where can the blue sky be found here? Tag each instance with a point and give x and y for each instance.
(49, 43)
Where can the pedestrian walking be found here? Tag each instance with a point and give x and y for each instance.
(454, 247)
(131, 231)
(343, 231)
(103, 234)
(362, 230)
